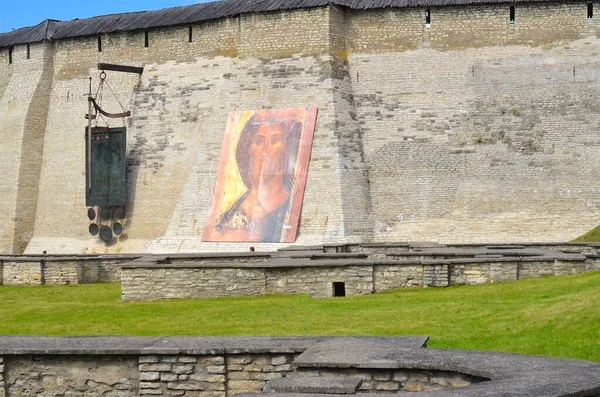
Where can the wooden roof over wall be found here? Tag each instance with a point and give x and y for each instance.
(56, 30)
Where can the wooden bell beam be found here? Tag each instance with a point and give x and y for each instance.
(120, 68)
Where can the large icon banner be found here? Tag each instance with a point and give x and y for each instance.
(261, 176)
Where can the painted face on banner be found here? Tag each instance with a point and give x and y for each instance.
(266, 154)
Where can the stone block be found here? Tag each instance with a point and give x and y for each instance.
(148, 359)
(156, 367)
(149, 376)
(154, 392)
(382, 377)
(182, 369)
(217, 360)
(245, 385)
(216, 369)
(149, 385)
(168, 377)
(184, 386)
(279, 360)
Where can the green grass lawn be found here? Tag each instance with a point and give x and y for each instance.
(553, 316)
(590, 237)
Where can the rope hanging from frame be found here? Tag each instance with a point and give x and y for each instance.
(96, 102)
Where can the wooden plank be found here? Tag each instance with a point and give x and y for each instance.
(120, 68)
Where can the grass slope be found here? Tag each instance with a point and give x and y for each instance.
(554, 316)
(593, 236)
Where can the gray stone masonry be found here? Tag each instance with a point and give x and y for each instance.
(218, 367)
(132, 366)
(316, 270)
(362, 268)
(62, 269)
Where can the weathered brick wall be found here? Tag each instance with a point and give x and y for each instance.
(78, 376)
(470, 129)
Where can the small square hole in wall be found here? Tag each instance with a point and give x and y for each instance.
(339, 288)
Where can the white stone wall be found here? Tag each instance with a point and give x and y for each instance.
(477, 145)
(471, 129)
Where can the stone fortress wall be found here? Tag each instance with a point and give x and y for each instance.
(472, 128)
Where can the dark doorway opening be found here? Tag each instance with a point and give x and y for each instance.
(339, 288)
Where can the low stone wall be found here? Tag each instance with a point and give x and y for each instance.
(132, 366)
(43, 375)
(249, 366)
(317, 275)
(320, 271)
(61, 270)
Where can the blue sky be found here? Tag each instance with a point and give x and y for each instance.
(16, 14)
